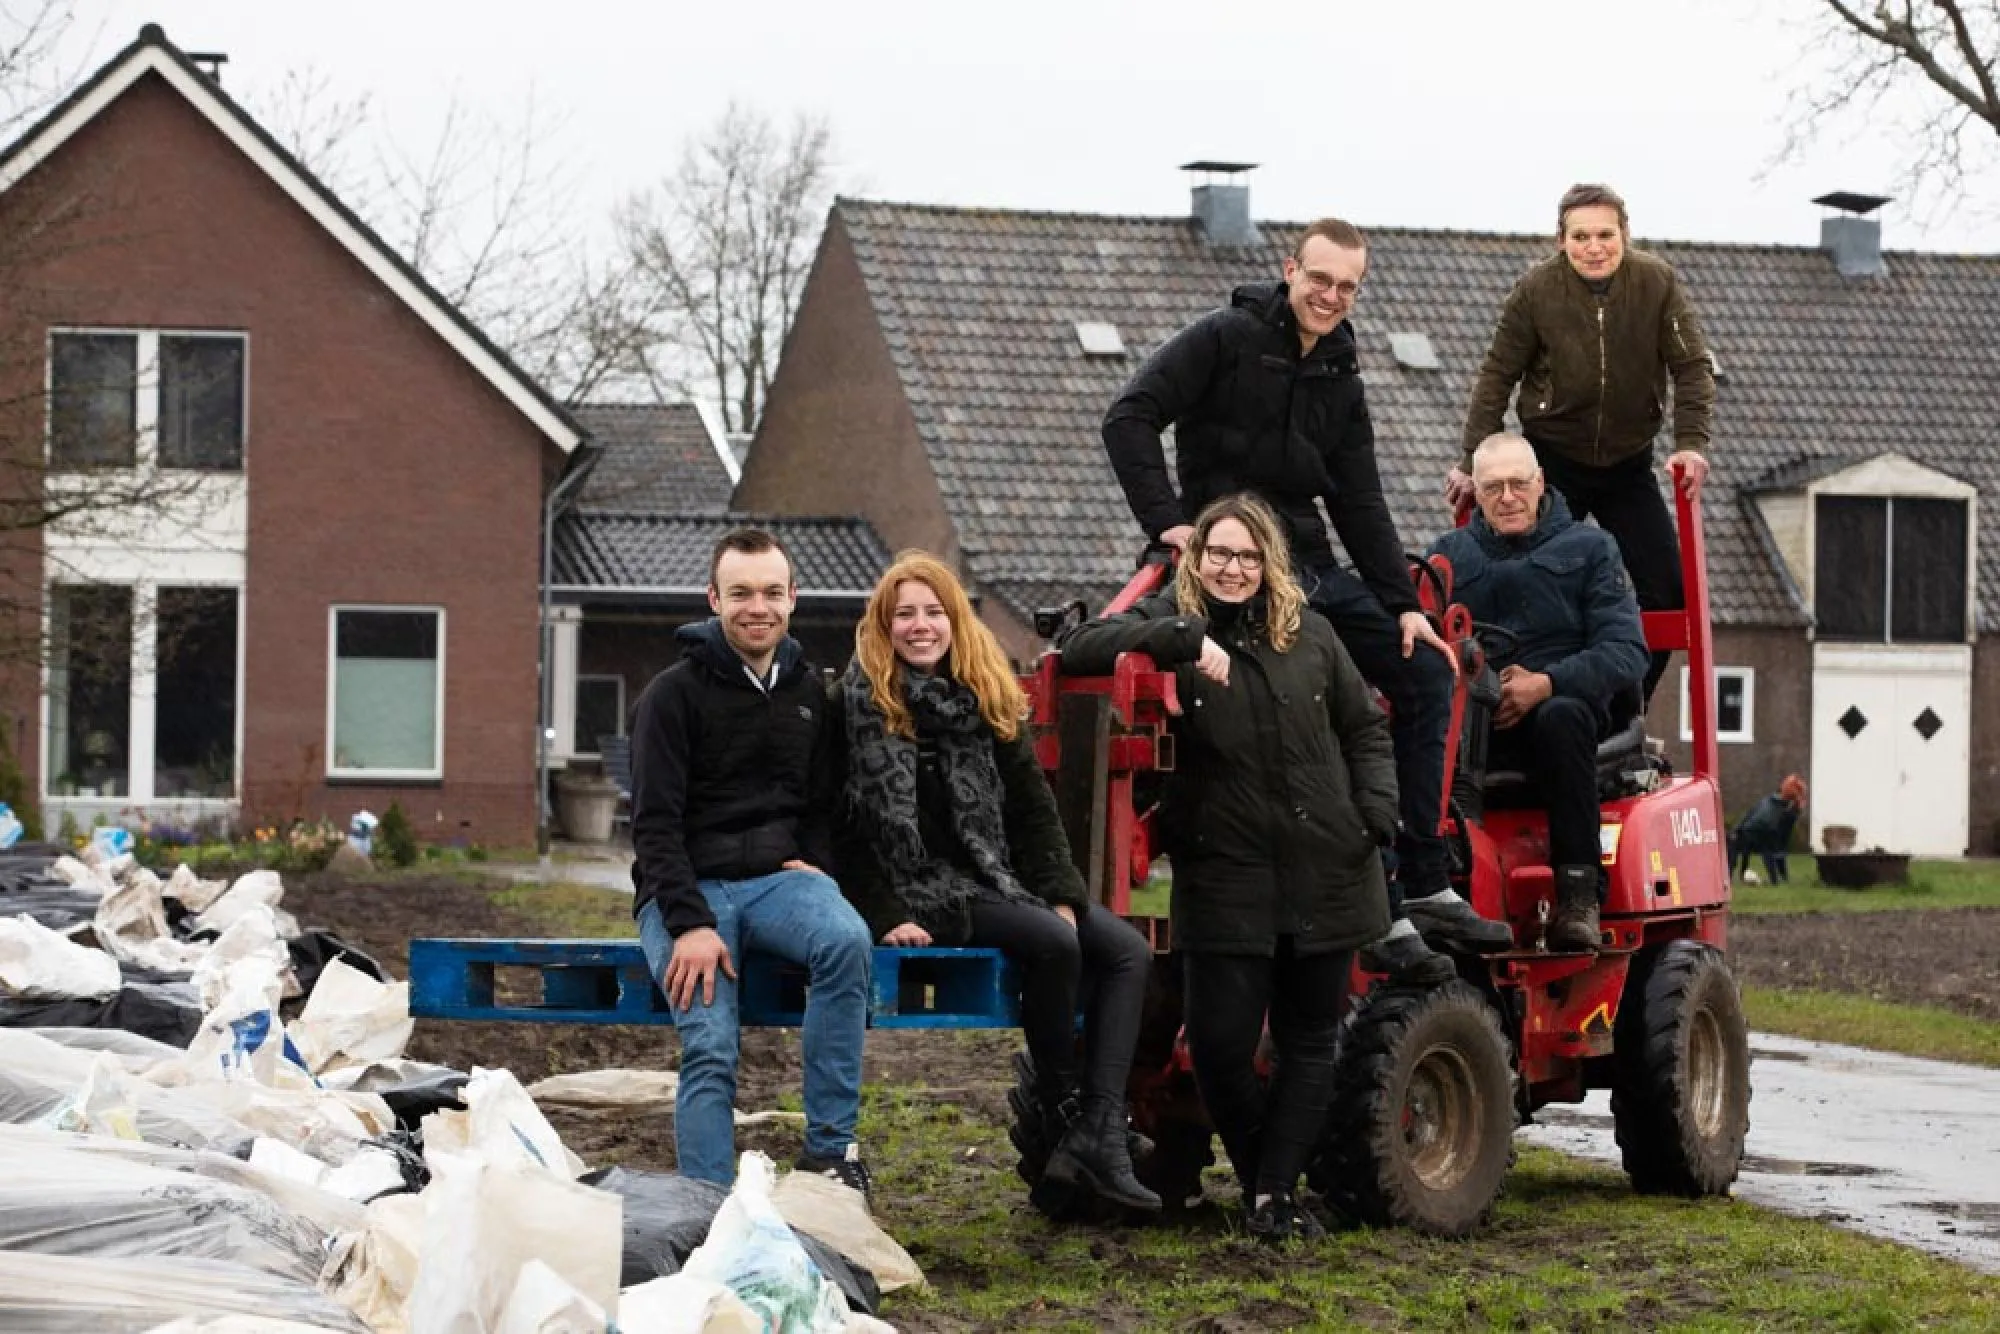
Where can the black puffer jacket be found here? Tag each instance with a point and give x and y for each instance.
(1037, 848)
(728, 781)
(1251, 414)
(1562, 591)
(1284, 785)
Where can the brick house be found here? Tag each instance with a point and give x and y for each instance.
(948, 369)
(336, 604)
(631, 564)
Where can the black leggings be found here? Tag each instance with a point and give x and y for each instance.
(1270, 1133)
(1104, 961)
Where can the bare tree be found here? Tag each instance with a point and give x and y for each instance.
(725, 244)
(29, 73)
(1925, 65)
(485, 211)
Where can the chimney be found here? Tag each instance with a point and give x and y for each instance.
(1222, 207)
(1852, 237)
(209, 63)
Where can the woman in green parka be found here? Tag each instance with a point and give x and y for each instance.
(1282, 795)
(950, 836)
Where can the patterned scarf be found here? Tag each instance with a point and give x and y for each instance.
(880, 797)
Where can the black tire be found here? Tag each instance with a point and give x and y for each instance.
(1680, 1096)
(1421, 1133)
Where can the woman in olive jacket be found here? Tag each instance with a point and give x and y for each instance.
(1282, 794)
(950, 836)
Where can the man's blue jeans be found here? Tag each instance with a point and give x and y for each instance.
(798, 916)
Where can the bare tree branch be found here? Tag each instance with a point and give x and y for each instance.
(1925, 66)
(725, 244)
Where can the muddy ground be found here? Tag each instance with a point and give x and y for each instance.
(1948, 960)
(1905, 957)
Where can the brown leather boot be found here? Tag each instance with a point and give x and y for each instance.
(1574, 928)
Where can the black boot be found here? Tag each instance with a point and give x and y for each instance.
(1574, 928)
(1095, 1153)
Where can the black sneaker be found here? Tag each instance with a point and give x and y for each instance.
(1452, 924)
(1281, 1219)
(848, 1170)
(1408, 962)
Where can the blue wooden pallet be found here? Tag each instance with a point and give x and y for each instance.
(607, 982)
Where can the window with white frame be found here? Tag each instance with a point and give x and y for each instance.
(600, 711)
(143, 691)
(385, 714)
(1735, 705)
(119, 398)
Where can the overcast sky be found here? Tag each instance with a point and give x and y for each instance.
(1430, 113)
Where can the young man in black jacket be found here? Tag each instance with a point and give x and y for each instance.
(731, 793)
(1265, 396)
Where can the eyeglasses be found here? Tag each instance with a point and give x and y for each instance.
(1499, 486)
(1322, 283)
(1219, 557)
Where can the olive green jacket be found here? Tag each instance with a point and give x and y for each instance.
(1593, 369)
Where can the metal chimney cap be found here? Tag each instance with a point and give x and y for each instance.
(1221, 168)
(1847, 201)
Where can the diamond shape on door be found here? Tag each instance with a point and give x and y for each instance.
(1852, 722)
(1928, 724)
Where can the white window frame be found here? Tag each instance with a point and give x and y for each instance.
(142, 765)
(333, 612)
(1744, 734)
(146, 401)
(581, 677)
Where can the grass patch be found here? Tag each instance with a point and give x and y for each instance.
(565, 910)
(1571, 1248)
(1933, 885)
(1862, 1021)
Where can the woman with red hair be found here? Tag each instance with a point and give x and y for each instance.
(950, 836)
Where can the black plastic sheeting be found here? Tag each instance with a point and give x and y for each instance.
(169, 1012)
(667, 1216)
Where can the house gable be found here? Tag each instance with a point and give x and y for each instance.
(838, 435)
(153, 55)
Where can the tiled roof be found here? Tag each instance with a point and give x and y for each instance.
(656, 459)
(979, 309)
(662, 555)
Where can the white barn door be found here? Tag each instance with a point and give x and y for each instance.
(1892, 746)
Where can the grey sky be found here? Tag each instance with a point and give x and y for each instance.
(1469, 114)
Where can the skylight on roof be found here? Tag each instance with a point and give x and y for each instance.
(1414, 352)
(1099, 338)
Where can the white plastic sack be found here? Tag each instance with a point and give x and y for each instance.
(374, 1271)
(351, 1019)
(104, 1105)
(194, 893)
(35, 961)
(370, 1173)
(248, 952)
(135, 1051)
(57, 1294)
(502, 1125)
(80, 876)
(837, 1215)
(542, 1303)
(132, 925)
(251, 890)
(679, 1304)
(323, 1210)
(753, 1251)
(630, 1090)
(38, 1076)
(484, 1222)
(322, 1122)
